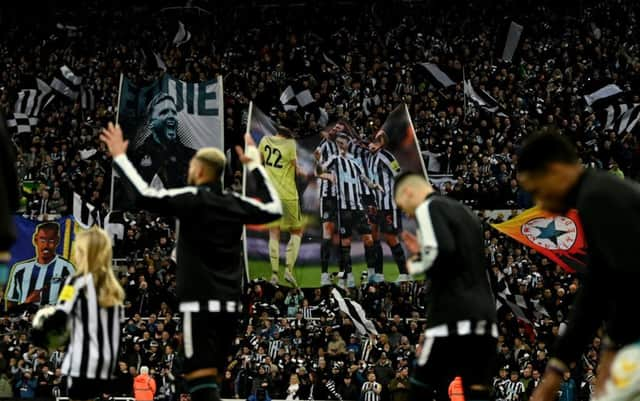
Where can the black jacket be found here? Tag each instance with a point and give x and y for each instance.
(211, 222)
(609, 209)
(8, 188)
(452, 255)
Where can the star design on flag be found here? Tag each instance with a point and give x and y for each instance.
(550, 232)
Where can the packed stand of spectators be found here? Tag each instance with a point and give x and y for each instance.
(359, 62)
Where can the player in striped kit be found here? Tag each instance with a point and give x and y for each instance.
(328, 206)
(383, 169)
(349, 177)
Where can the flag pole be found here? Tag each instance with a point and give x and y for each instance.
(117, 121)
(464, 92)
(415, 140)
(244, 192)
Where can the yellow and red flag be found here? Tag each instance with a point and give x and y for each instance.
(558, 237)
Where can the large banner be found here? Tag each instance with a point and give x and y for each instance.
(337, 193)
(165, 123)
(40, 261)
(558, 237)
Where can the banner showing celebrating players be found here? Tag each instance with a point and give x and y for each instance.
(558, 237)
(39, 261)
(337, 195)
(165, 123)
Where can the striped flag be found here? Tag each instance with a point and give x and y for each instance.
(355, 312)
(437, 76)
(182, 36)
(84, 213)
(31, 101)
(67, 83)
(628, 121)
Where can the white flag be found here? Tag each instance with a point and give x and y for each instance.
(602, 93)
(513, 37)
(182, 36)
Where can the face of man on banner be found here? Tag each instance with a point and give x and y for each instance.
(46, 240)
(164, 119)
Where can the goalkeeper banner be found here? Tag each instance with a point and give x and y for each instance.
(558, 237)
(301, 172)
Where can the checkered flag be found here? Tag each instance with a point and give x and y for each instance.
(22, 123)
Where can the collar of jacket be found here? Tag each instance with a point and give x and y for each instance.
(572, 197)
(213, 187)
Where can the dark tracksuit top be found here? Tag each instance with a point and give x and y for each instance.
(609, 209)
(211, 222)
(452, 256)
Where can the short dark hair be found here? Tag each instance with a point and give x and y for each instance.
(48, 226)
(543, 148)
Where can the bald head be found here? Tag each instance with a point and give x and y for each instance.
(410, 191)
(206, 166)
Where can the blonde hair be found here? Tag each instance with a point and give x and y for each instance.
(214, 158)
(93, 256)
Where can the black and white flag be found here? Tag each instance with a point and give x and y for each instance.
(31, 101)
(483, 99)
(22, 123)
(182, 36)
(437, 76)
(525, 309)
(603, 94)
(87, 98)
(67, 83)
(355, 312)
(302, 97)
(84, 213)
(628, 121)
(114, 225)
(511, 44)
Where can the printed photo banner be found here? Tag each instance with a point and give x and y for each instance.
(165, 123)
(395, 139)
(40, 261)
(558, 237)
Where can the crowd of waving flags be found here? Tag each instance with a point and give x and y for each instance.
(31, 102)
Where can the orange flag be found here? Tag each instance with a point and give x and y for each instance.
(558, 237)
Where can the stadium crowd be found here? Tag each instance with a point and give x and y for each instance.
(359, 62)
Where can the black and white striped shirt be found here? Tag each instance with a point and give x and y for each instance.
(327, 149)
(95, 331)
(274, 346)
(513, 390)
(368, 393)
(362, 156)
(384, 169)
(347, 173)
(29, 277)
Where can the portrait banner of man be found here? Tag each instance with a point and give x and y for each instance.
(340, 222)
(40, 261)
(166, 122)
